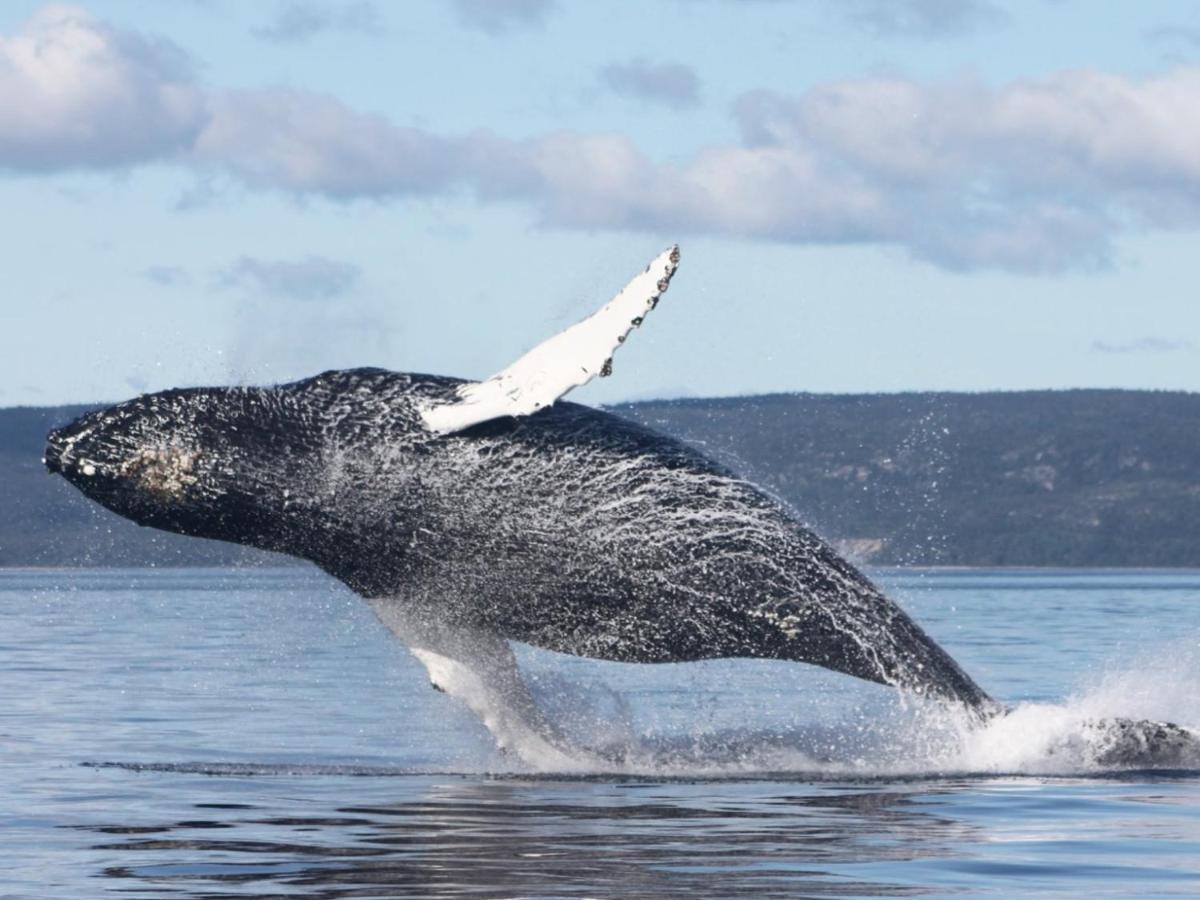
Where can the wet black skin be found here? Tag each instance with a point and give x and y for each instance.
(572, 529)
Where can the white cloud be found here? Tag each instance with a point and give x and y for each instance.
(1035, 176)
(312, 143)
(74, 92)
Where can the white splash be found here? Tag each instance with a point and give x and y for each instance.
(1069, 738)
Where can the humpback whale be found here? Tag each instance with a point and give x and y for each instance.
(472, 514)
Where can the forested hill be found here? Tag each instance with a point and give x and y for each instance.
(1062, 478)
(1030, 478)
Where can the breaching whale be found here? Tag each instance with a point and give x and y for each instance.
(471, 514)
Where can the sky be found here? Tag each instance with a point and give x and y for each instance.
(870, 195)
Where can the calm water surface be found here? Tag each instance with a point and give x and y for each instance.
(257, 733)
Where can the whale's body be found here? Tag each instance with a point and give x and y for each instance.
(471, 514)
(572, 529)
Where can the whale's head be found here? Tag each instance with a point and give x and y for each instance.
(198, 461)
(309, 468)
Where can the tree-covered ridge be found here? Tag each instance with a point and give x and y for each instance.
(1088, 477)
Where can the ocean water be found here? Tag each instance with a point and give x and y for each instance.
(256, 733)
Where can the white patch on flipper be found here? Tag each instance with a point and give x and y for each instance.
(566, 361)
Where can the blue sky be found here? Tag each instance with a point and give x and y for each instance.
(870, 195)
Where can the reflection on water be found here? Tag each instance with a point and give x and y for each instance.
(568, 838)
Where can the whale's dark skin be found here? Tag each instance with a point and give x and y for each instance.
(571, 529)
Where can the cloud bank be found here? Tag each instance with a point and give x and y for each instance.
(1034, 176)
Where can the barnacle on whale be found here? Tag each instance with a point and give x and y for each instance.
(166, 471)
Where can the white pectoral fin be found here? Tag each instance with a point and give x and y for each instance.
(568, 360)
(476, 666)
